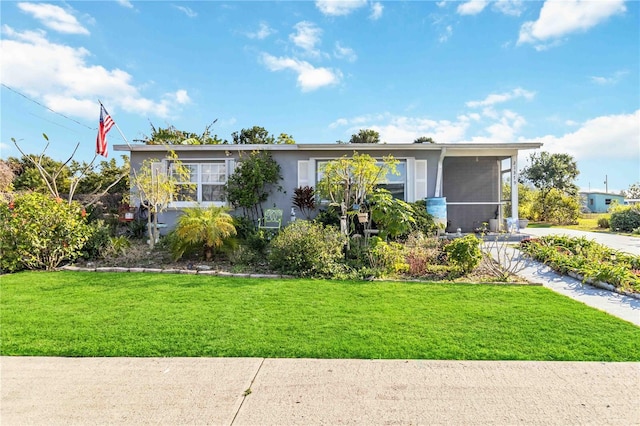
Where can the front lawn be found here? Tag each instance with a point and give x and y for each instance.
(136, 314)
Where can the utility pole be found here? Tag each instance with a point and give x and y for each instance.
(606, 184)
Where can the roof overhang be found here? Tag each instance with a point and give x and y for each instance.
(452, 149)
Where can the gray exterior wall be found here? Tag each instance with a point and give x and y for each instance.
(470, 172)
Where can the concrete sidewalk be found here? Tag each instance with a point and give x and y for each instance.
(256, 391)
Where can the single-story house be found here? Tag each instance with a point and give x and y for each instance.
(599, 202)
(468, 175)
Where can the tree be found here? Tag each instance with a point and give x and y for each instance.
(172, 136)
(253, 179)
(348, 181)
(365, 136)
(551, 171)
(633, 192)
(206, 227)
(254, 135)
(107, 173)
(156, 187)
(6, 177)
(58, 178)
(424, 139)
(285, 139)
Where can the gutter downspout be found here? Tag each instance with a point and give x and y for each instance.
(443, 153)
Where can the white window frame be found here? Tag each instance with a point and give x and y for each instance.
(308, 174)
(199, 162)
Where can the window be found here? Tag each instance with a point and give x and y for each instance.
(590, 201)
(607, 201)
(394, 183)
(204, 183)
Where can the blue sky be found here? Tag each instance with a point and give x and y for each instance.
(565, 73)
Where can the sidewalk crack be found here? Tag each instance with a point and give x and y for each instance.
(247, 392)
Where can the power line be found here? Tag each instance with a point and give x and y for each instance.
(46, 107)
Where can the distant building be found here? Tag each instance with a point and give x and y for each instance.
(599, 202)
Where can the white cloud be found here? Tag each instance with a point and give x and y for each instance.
(125, 3)
(339, 7)
(509, 7)
(472, 7)
(343, 52)
(561, 17)
(68, 84)
(402, 129)
(187, 11)
(376, 11)
(309, 77)
(263, 32)
(54, 17)
(610, 136)
(306, 37)
(612, 79)
(505, 129)
(446, 34)
(496, 98)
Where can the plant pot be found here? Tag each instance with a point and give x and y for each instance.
(523, 223)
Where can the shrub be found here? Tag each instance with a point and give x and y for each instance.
(557, 208)
(625, 218)
(39, 231)
(206, 228)
(423, 221)
(464, 252)
(387, 258)
(307, 249)
(98, 241)
(394, 217)
(603, 222)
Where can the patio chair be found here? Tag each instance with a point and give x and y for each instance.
(272, 219)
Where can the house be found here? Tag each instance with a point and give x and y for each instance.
(599, 202)
(469, 175)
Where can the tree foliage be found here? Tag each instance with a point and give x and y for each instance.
(549, 172)
(365, 136)
(253, 179)
(424, 139)
(172, 136)
(28, 177)
(254, 135)
(633, 192)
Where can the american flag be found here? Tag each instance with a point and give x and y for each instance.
(106, 123)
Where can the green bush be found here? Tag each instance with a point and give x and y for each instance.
(98, 241)
(387, 258)
(464, 252)
(38, 231)
(603, 222)
(307, 249)
(557, 208)
(625, 218)
(423, 221)
(394, 217)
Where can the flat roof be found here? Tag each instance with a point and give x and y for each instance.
(335, 147)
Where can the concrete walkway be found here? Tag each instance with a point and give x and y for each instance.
(616, 242)
(256, 391)
(621, 306)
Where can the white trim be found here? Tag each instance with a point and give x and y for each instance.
(439, 179)
(421, 188)
(303, 173)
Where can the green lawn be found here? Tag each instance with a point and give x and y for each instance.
(586, 222)
(134, 314)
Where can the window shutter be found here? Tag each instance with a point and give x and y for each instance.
(303, 173)
(420, 180)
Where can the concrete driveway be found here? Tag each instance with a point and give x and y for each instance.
(258, 391)
(616, 242)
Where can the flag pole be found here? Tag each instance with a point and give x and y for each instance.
(117, 127)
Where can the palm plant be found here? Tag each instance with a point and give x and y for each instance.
(199, 226)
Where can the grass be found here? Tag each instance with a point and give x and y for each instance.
(143, 315)
(586, 222)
